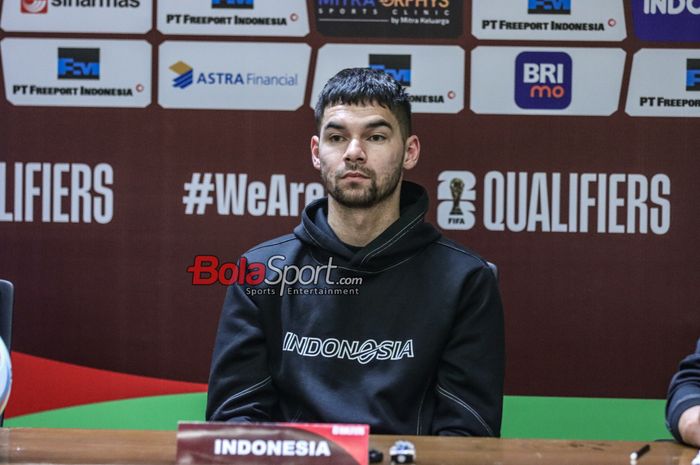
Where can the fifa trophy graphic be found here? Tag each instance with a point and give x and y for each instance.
(456, 188)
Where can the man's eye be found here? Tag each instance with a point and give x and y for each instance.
(377, 137)
(335, 138)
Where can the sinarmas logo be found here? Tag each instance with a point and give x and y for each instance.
(361, 351)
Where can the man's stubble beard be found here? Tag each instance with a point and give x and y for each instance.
(368, 196)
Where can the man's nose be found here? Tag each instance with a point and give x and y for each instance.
(354, 151)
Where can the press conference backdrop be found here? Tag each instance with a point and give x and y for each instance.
(560, 141)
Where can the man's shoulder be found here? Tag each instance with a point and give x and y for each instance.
(274, 246)
(456, 253)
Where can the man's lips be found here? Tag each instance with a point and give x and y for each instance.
(354, 175)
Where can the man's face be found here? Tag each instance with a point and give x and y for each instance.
(361, 154)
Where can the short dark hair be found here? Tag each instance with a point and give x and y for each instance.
(366, 86)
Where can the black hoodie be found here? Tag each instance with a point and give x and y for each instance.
(684, 391)
(404, 334)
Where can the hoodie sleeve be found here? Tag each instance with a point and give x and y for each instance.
(684, 391)
(469, 389)
(240, 386)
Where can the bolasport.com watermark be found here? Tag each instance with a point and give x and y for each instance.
(273, 277)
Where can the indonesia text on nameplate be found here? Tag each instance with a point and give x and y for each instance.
(272, 443)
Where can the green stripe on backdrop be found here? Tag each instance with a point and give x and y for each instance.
(144, 413)
(523, 417)
(584, 418)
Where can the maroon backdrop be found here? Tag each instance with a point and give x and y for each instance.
(587, 314)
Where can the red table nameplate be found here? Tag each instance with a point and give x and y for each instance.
(272, 443)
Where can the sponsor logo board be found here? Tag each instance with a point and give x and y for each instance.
(78, 63)
(547, 81)
(399, 66)
(104, 16)
(227, 75)
(543, 80)
(549, 7)
(665, 82)
(234, 17)
(390, 18)
(78, 73)
(692, 75)
(602, 203)
(233, 4)
(667, 20)
(581, 20)
(35, 7)
(434, 75)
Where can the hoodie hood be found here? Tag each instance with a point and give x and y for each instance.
(404, 238)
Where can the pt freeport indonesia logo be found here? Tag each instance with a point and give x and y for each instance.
(291, 279)
(692, 79)
(397, 66)
(549, 7)
(233, 4)
(79, 63)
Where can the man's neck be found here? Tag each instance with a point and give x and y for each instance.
(360, 226)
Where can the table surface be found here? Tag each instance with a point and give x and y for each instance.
(74, 446)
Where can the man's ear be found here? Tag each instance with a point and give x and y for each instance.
(314, 153)
(411, 153)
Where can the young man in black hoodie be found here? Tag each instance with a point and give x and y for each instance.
(365, 314)
(683, 403)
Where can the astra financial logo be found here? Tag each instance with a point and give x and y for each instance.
(233, 4)
(34, 7)
(549, 7)
(79, 63)
(397, 66)
(185, 75)
(543, 80)
(692, 81)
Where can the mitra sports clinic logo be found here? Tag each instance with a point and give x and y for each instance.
(34, 7)
(185, 75)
